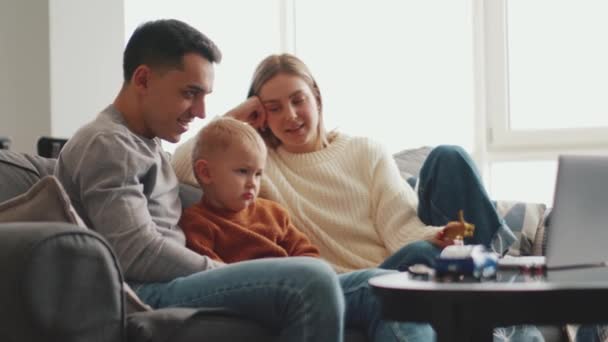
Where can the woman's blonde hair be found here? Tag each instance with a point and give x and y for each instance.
(291, 65)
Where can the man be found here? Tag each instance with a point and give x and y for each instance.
(121, 183)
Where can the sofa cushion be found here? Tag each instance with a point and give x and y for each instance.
(410, 161)
(524, 219)
(46, 201)
(540, 240)
(17, 174)
(189, 195)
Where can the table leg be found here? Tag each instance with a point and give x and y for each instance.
(461, 325)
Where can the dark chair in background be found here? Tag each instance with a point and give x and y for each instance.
(5, 143)
(49, 147)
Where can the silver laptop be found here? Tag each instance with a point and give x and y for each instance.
(578, 234)
(577, 239)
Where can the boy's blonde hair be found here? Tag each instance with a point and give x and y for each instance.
(219, 134)
(291, 65)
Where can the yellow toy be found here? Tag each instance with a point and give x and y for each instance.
(466, 229)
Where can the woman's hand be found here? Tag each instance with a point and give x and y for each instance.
(251, 111)
(449, 233)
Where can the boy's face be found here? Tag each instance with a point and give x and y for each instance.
(232, 179)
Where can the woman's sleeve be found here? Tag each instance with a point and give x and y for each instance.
(181, 161)
(394, 203)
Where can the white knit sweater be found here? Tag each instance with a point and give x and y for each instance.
(348, 198)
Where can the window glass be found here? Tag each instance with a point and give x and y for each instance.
(397, 71)
(558, 69)
(531, 181)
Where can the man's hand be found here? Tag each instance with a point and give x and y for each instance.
(251, 111)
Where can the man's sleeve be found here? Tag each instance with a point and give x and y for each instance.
(113, 198)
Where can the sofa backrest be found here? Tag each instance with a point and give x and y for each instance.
(18, 172)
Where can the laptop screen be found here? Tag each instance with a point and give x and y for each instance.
(578, 228)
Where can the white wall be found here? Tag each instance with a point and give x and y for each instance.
(60, 64)
(24, 72)
(86, 43)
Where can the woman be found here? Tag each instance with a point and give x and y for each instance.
(345, 193)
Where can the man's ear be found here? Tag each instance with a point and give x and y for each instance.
(141, 77)
(202, 172)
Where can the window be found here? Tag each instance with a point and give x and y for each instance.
(532, 181)
(547, 73)
(542, 80)
(398, 71)
(516, 82)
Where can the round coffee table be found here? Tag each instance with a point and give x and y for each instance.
(469, 311)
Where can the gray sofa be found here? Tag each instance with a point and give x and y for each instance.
(62, 283)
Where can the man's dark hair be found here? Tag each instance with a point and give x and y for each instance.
(163, 43)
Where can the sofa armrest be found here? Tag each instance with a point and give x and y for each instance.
(59, 283)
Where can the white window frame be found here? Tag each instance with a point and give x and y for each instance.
(287, 24)
(497, 141)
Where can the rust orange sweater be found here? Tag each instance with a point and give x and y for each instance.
(261, 230)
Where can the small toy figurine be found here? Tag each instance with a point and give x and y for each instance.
(466, 261)
(458, 234)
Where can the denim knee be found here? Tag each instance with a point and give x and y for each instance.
(419, 252)
(312, 268)
(421, 248)
(319, 278)
(442, 163)
(449, 153)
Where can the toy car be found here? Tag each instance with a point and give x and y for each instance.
(466, 260)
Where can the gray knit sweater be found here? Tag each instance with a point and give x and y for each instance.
(123, 186)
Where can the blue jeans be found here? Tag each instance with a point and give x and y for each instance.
(449, 182)
(363, 311)
(300, 298)
(591, 333)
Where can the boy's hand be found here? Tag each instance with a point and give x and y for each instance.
(251, 111)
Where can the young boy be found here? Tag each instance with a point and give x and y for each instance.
(230, 223)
